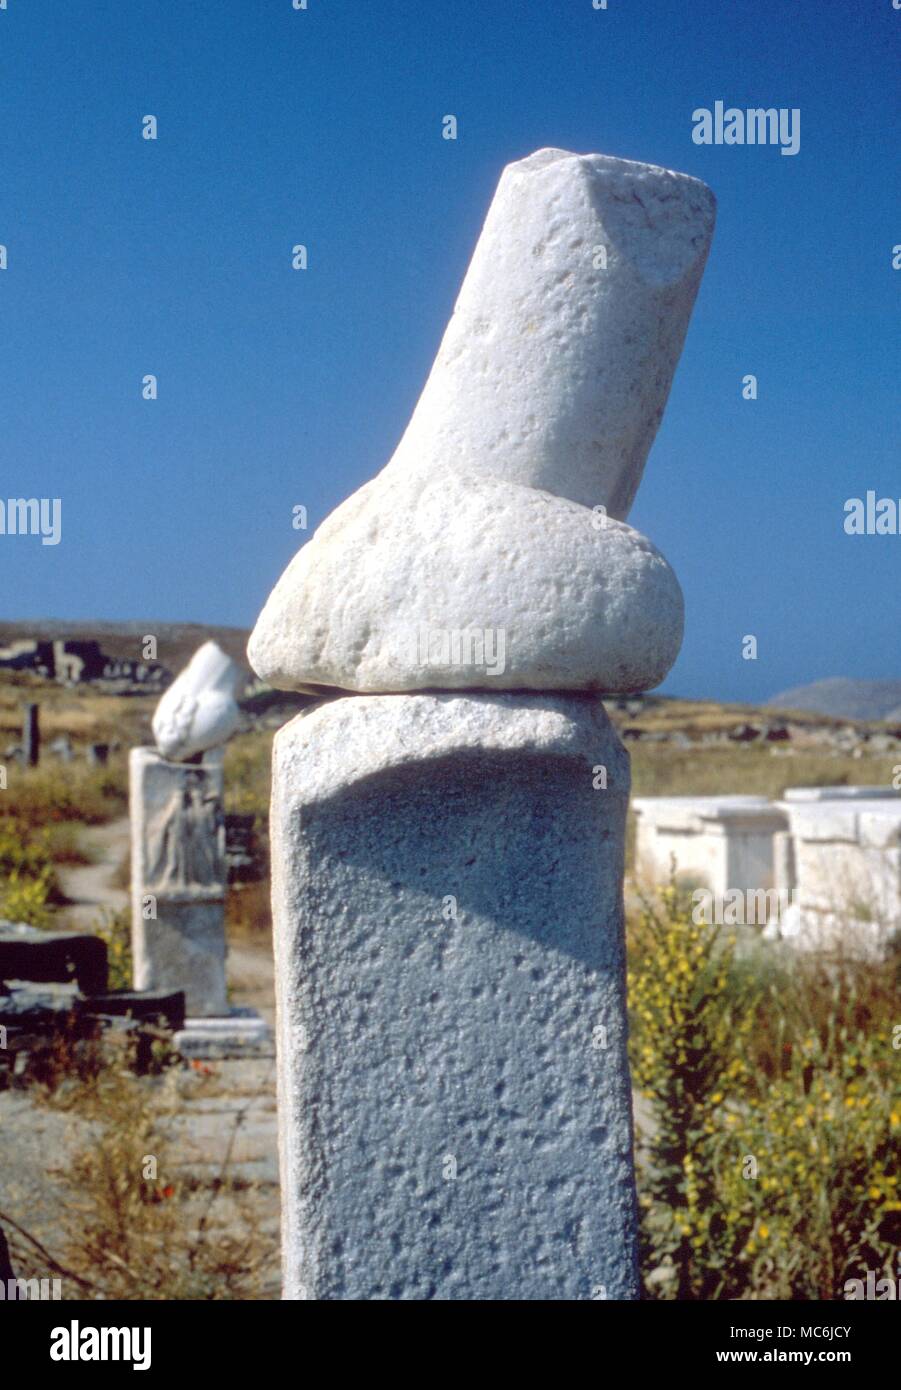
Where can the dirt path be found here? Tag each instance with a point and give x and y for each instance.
(92, 890)
(90, 887)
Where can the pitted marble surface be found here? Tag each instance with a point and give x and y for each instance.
(455, 1116)
(501, 516)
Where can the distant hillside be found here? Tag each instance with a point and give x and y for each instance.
(176, 642)
(843, 698)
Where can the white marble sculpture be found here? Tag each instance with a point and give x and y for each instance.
(503, 509)
(448, 840)
(179, 874)
(199, 710)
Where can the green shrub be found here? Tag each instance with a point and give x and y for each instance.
(770, 1168)
(27, 880)
(45, 795)
(807, 1171)
(115, 929)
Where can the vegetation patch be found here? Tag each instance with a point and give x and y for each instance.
(769, 1164)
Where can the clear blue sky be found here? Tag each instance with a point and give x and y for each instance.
(281, 387)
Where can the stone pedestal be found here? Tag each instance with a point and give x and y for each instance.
(721, 842)
(455, 1113)
(847, 855)
(178, 878)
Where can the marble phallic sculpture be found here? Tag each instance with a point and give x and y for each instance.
(199, 710)
(447, 838)
(179, 877)
(504, 505)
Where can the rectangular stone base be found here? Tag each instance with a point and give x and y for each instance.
(179, 878)
(455, 1111)
(720, 842)
(184, 948)
(240, 1033)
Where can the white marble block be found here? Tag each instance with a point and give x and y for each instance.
(454, 1103)
(239, 1033)
(847, 864)
(721, 843)
(199, 710)
(842, 793)
(178, 878)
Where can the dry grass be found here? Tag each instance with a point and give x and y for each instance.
(131, 1227)
(248, 915)
(65, 792)
(247, 785)
(248, 760)
(800, 994)
(79, 711)
(660, 715)
(661, 769)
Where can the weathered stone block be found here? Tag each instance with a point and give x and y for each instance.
(178, 878)
(848, 873)
(722, 842)
(28, 953)
(455, 1113)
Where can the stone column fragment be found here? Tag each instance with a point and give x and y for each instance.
(454, 1103)
(31, 735)
(178, 864)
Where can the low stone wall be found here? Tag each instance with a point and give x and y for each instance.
(830, 855)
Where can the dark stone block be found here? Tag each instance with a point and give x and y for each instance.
(165, 1008)
(42, 956)
(744, 733)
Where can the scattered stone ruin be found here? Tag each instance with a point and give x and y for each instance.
(825, 860)
(74, 662)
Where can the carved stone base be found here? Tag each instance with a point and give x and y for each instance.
(179, 878)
